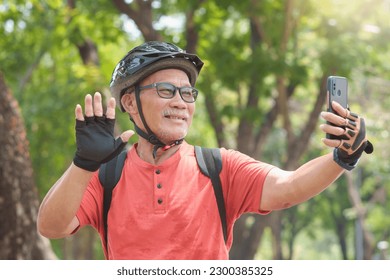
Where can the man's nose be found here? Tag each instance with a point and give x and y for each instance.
(177, 100)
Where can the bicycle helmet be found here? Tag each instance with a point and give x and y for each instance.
(148, 58)
(143, 61)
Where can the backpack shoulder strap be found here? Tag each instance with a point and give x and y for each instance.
(109, 175)
(210, 164)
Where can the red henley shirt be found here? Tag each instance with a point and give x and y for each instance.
(169, 211)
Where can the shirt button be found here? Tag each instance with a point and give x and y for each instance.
(159, 186)
(158, 171)
(160, 201)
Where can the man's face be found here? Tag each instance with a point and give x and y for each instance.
(169, 119)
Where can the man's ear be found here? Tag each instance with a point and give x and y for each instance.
(129, 104)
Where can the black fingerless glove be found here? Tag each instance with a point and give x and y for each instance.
(95, 142)
(360, 145)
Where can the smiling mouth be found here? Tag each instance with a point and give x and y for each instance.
(176, 118)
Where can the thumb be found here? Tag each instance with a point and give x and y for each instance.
(126, 135)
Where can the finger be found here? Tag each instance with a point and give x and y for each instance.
(331, 129)
(79, 113)
(110, 114)
(333, 118)
(352, 116)
(345, 146)
(340, 110)
(97, 105)
(336, 143)
(333, 143)
(88, 106)
(350, 124)
(349, 133)
(126, 135)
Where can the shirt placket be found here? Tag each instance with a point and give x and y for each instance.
(160, 197)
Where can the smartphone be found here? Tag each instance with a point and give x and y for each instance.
(337, 90)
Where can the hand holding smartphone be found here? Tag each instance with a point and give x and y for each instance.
(337, 90)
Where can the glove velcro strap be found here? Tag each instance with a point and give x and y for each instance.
(86, 164)
(345, 165)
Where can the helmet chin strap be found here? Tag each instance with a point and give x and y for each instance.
(149, 135)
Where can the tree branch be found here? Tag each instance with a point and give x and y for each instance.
(141, 12)
(300, 144)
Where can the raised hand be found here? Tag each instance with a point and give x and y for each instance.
(95, 134)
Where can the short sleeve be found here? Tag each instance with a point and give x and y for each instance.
(242, 180)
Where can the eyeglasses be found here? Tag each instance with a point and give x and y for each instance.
(168, 91)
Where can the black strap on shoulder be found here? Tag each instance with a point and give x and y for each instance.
(109, 175)
(210, 164)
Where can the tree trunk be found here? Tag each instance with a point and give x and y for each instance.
(19, 201)
(361, 211)
(251, 142)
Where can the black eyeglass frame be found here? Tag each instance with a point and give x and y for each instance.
(194, 91)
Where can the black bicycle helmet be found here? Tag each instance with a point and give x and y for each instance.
(148, 58)
(143, 61)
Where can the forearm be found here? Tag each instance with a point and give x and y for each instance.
(283, 189)
(60, 205)
(314, 177)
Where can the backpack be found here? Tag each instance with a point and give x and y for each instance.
(210, 164)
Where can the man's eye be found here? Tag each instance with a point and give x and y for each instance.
(165, 91)
(186, 92)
